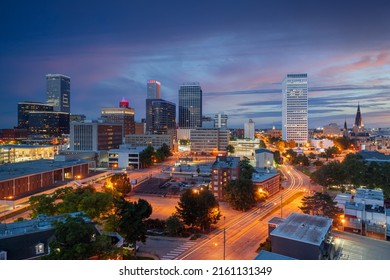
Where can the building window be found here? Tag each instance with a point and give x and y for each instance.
(40, 248)
(3, 255)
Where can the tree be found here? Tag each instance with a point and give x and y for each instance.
(230, 149)
(121, 183)
(246, 169)
(42, 204)
(131, 219)
(281, 145)
(291, 144)
(74, 240)
(174, 225)
(240, 194)
(145, 157)
(198, 209)
(330, 174)
(166, 150)
(320, 204)
(67, 200)
(278, 159)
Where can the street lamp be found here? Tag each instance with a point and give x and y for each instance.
(224, 237)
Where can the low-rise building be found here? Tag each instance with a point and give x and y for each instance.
(125, 157)
(224, 169)
(245, 147)
(365, 213)
(23, 178)
(210, 141)
(267, 181)
(144, 140)
(264, 158)
(303, 237)
(20, 153)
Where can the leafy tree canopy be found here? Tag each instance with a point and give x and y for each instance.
(198, 209)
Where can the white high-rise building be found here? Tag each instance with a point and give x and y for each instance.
(249, 130)
(220, 120)
(295, 108)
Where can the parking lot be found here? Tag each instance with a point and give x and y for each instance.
(169, 186)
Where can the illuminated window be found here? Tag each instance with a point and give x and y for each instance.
(40, 248)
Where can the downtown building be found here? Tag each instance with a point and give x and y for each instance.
(160, 114)
(58, 92)
(95, 136)
(123, 115)
(209, 141)
(190, 106)
(224, 170)
(295, 108)
(249, 130)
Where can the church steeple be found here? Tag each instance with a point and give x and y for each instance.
(345, 130)
(358, 118)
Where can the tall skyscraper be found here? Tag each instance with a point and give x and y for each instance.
(190, 106)
(123, 115)
(58, 92)
(249, 129)
(295, 108)
(153, 90)
(163, 117)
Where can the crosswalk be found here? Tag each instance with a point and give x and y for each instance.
(173, 254)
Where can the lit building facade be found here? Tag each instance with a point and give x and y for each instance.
(295, 108)
(58, 92)
(224, 170)
(48, 123)
(24, 109)
(153, 90)
(209, 141)
(161, 117)
(190, 106)
(124, 115)
(95, 136)
(143, 140)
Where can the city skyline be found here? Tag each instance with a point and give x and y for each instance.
(238, 52)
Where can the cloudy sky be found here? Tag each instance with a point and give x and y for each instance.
(239, 51)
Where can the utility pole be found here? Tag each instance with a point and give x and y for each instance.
(281, 205)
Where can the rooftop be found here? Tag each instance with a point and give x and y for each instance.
(374, 156)
(276, 220)
(263, 176)
(262, 150)
(304, 228)
(265, 255)
(42, 222)
(369, 194)
(354, 206)
(14, 170)
(226, 162)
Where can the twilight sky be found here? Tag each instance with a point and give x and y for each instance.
(239, 51)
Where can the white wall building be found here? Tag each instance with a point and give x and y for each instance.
(125, 157)
(295, 108)
(264, 158)
(321, 143)
(249, 129)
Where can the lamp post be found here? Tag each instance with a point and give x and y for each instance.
(224, 238)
